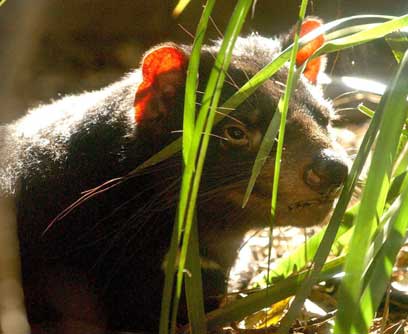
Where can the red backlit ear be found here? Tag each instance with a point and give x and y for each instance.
(163, 71)
(315, 65)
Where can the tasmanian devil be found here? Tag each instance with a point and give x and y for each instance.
(102, 264)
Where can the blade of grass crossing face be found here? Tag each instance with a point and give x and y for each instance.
(263, 153)
(192, 77)
(372, 202)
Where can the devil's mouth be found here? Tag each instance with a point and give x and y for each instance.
(303, 204)
(308, 203)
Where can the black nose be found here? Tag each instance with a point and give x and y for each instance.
(326, 173)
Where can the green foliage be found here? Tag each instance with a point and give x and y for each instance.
(398, 42)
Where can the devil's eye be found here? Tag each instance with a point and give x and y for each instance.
(236, 135)
(323, 121)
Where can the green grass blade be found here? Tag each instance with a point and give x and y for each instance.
(181, 5)
(164, 154)
(355, 29)
(192, 78)
(194, 286)
(373, 201)
(263, 153)
(402, 163)
(398, 42)
(366, 111)
(361, 37)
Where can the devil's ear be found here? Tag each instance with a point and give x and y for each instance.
(316, 65)
(163, 78)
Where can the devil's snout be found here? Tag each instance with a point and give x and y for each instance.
(327, 172)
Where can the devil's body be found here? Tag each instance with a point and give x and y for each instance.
(108, 254)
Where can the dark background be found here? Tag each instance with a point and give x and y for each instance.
(50, 48)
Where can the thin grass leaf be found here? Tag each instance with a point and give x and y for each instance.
(216, 77)
(164, 154)
(378, 31)
(398, 42)
(398, 184)
(402, 163)
(355, 28)
(372, 202)
(263, 153)
(366, 111)
(192, 78)
(2, 2)
(282, 289)
(194, 286)
(181, 5)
